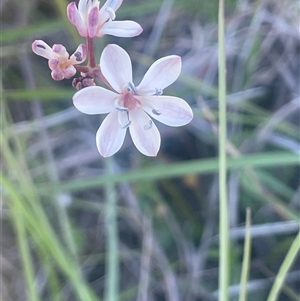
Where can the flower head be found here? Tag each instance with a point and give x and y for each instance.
(91, 21)
(131, 107)
(58, 58)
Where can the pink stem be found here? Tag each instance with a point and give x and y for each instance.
(90, 51)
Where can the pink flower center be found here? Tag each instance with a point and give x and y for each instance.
(63, 64)
(130, 102)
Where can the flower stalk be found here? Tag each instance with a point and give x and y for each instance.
(91, 54)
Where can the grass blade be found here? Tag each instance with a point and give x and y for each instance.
(223, 214)
(112, 256)
(282, 273)
(246, 258)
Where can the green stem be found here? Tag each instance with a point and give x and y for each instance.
(287, 263)
(112, 256)
(25, 253)
(223, 218)
(246, 258)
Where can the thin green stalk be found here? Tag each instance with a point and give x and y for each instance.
(53, 280)
(287, 263)
(223, 218)
(246, 258)
(25, 253)
(163, 171)
(112, 256)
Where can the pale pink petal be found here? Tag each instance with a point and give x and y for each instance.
(160, 75)
(76, 19)
(69, 72)
(94, 100)
(170, 110)
(125, 29)
(60, 50)
(53, 63)
(112, 4)
(110, 136)
(57, 75)
(79, 56)
(93, 22)
(39, 47)
(144, 133)
(83, 8)
(115, 65)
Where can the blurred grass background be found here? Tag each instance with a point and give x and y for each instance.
(55, 183)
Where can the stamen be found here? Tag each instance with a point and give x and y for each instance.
(148, 126)
(126, 125)
(122, 109)
(156, 112)
(111, 12)
(158, 91)
(132, 88)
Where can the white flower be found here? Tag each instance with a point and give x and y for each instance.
(130, 106)
(92, 21)
(58, 58)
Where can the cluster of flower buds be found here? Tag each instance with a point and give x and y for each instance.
(128, 106)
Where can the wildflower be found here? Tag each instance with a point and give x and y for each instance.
(131, 107)
(92, 21)
(58, 58)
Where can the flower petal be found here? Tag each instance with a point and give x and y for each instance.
(93, 21)
(57, 74)
(69, 72)
(170, 110)
(94, 100)
(160, 75)
(115, 65)
(40, 48)
(79, 56)
(53, 63)
(144, 133)
(110, 136)
(76, 19)
(83, 8)
(60, 50)
(125, 29)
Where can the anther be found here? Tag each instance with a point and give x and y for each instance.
(132, 88)
(156, 112)
(125, 125)
(158, 91)
(41, 46)
(78, 56)
(148, 126)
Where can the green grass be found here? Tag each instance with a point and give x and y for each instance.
(224, 257)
